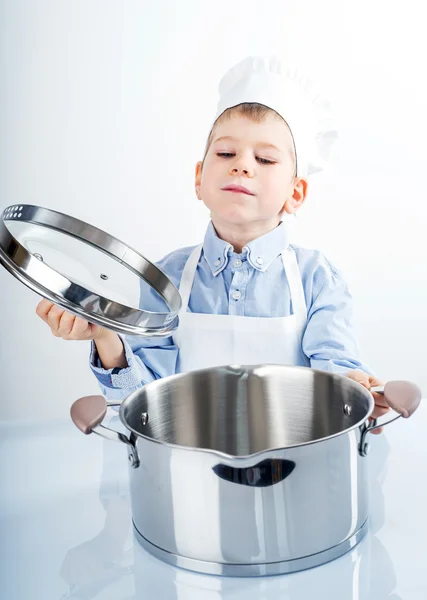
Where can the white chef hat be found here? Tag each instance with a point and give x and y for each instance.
(309, 117)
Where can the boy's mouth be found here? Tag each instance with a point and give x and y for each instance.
(237, 189)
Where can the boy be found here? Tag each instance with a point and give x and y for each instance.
(249, 297)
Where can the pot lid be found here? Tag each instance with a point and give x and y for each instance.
(87, 272)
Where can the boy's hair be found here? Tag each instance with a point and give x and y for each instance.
(251, 110)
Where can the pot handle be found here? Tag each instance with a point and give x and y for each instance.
(403, 397)
(87, 414)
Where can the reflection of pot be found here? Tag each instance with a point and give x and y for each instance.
(364, 573)
(247, 470)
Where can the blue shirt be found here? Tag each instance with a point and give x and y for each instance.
(258, 274)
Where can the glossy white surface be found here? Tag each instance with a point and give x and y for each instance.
(66, 532)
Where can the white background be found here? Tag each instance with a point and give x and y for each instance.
(105, 107)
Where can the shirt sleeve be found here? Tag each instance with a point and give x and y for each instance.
(147, 360)
(329, 341)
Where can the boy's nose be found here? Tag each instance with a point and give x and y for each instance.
(237, 170)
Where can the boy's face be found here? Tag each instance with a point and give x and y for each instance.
(258, 157)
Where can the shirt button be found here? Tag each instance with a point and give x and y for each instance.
(259, 260)
(237, 263)
(236, 295)
(217, 262)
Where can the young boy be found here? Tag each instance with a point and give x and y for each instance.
(249, 297)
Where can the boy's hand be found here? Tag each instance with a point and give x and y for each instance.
(66, 326)
(381, 407)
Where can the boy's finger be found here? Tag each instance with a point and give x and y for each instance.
(79, 328)
(379, 411)
(359, 377)
(380, 400)
(66, 323)
(43, 308)
(376, 431)
(53, 318)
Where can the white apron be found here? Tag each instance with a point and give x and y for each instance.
(206, 340)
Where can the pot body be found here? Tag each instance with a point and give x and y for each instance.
(282, 512)
(211, 496)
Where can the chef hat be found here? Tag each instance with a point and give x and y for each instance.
(309, 117)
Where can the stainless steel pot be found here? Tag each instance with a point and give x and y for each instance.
(254, 470)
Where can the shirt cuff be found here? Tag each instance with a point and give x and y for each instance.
(129, 377)
(338, 367)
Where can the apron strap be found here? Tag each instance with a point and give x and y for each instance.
(293, 276)
(187, 278)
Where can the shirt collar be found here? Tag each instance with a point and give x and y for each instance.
(260, 253)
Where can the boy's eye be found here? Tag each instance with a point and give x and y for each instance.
(263, 161)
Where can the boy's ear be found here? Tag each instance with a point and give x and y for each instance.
(198, 179)
(294, 202)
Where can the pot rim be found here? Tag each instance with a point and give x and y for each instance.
(224, 455)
